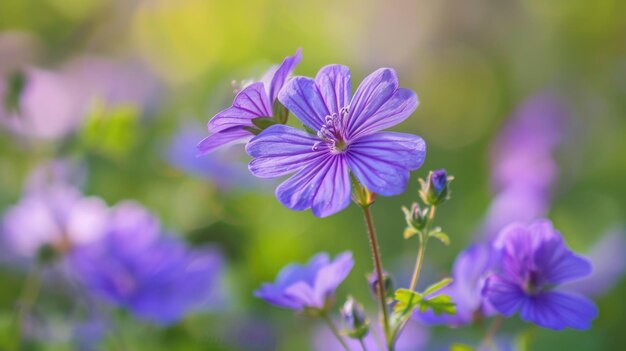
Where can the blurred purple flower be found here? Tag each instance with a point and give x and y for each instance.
(156, 277)
(307, 286)
(609, 265)
(58, 216)
(413, 338)
(522, 152)
(253, 101)
(49, 106)
(523, 169)
(114, 82)
(471, 268)
(348, 139)
(224, 167)
(535, 261)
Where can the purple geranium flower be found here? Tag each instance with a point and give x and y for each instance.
(535, 261)
(307, 286)
(254, 101)
(154, 276)
(58, 216)
(471, 268)
(348, 139)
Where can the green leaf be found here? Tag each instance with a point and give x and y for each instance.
(263, 122)
(438, 286)
(111, 131)
(406, 301)
(280, 113)
(409, 232)
(441, 236)
(461, 347)
(440, 304)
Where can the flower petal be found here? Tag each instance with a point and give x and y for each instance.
(505, 296)
(226, 136)
(281, 74)
(378, 103)
(281, 150)
(323, 185)
(329, 277)
(558, 310)
(558, 264)
(334, 84)
(302, 97)
(382, 161)
(252, 102)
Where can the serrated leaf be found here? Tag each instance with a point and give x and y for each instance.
(440, 304)
(441, 236)
(406, 301)
(461, 347)
(280, 112)
(263, 122)
(437, 286)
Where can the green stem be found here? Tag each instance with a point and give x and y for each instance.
(378, 266)
(26, 301)
(362, 344)
(419, 261)
(422, 249)
(491, 333)
(335, 331)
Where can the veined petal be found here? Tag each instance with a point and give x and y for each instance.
(378, 104)
(334, 84)
(558, 264)
(323, 186)
(505, 296)
(282, 73)
(558, 310)
(281, 150)
(302, 97)
(227, 136)
(382, 161)
(252, 102)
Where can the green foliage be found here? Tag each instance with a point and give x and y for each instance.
(438, 286)
(111, 131)
(461, 347)
(439, 235)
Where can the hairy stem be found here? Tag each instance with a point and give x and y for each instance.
(335, 331)
(26, 301)
(362, 344)
(491, 333)
(378, 266)
(422, 249)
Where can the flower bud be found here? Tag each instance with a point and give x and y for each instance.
(415, 217)
(387, 283)
(435, 190)
(355, 318)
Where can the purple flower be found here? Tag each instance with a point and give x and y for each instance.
(522, 152)
(348, 139)
(471, 268)
(609, 265)
(49, 106)
(155, 276)
(58, 216)
(224, 167)
(254, 101)
(307, 286)
(535, 261)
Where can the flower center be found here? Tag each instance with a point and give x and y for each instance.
(333, 132)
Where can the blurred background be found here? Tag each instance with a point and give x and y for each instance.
(122, 91)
